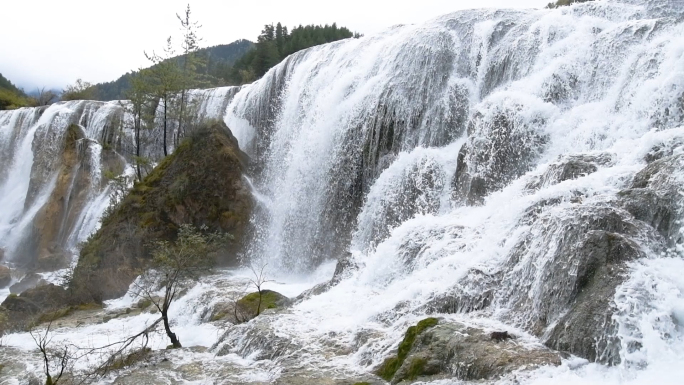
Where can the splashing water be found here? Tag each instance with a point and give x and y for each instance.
(469, 158)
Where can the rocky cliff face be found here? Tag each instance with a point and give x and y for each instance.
(201, 184)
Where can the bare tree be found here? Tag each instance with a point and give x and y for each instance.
(56, 361)
(45, 97)
(175, 267)
(258, 281)
(138, 106)
(165, 78)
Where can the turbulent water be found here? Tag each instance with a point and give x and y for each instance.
(460, 165)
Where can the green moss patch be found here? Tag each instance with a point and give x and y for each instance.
(389, 368)
(269, 300)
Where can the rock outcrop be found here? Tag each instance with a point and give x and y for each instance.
(501, 146)
(436, 349)
(201, 184)
(76, 177)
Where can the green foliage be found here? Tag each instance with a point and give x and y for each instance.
(275, 43)
(11, 97)
(389, 368)
(564, 3)
(10, 100)
(7, 85)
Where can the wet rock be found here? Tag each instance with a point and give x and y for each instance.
(561, 277)
(451, 349)
(345, 265)
(5, 276)
(182, 189)
(472, 293)
(26, 307)
(502, 145)
(655, 197)
(42, 249)
(257, 340)
(569, 167)
(53, 261)
(29, 281)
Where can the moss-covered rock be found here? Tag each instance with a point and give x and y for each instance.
(200, 184)
(432, 350)
(254, 304)
(388, 368)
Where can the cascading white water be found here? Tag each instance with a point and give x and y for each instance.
(438, 156)
(32, 142)
(357, 145)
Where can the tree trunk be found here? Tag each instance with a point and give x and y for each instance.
(172, 336)
(137, 147)
(259, 305)
(180, 117)
(165, 153)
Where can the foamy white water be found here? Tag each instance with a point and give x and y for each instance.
(374, 147)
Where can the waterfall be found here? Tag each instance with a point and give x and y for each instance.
(49, 206)
(473, 165)
(510, 169)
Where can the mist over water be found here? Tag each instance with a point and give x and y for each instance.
(434, 158)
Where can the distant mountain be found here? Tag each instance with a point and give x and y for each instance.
(218, 58)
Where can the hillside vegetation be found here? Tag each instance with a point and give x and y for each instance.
(216, 59)
(10, 96)
(239, 62)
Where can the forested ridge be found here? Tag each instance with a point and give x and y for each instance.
(242, 61)
(216, 59)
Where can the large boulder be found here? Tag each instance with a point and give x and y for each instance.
(201, 184)
(29, 281)
(435, 349)
(22, 310)
(561, 277)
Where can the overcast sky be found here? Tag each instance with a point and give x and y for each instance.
(53, 43)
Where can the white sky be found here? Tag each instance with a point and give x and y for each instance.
(54, 42)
